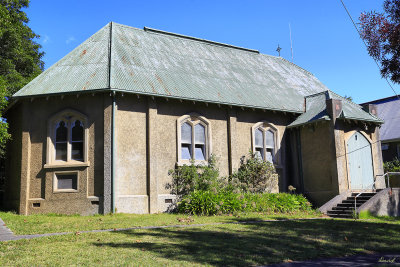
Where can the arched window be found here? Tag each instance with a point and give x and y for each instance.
(67, 138)
(193, 138)
(265, 141)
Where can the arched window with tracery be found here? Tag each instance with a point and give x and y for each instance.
(193, 138)
(265, 141)
(67, 138)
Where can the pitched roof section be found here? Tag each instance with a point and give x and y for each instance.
(389, 111)
(316, 110)
(153, 62)
(84, 68)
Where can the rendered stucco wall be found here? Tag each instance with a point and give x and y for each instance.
(13, 163)
(317, 147)
(37, 181)
(146, 131)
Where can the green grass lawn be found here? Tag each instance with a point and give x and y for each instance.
(218, 245)
(39, 224)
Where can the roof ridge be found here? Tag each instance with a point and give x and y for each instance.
(300, 68)
(147, 29)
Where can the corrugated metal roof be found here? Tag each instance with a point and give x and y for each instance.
(169, 65)
(389, 111)
(153, 62)
(316, 110)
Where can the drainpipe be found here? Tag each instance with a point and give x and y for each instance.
(113, 182)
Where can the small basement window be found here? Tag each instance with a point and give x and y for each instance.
(66, 182)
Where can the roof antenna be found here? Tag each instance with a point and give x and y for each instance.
(291, 46)
(279, 50)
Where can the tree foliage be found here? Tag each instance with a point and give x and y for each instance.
(381, 32)
(20, 56)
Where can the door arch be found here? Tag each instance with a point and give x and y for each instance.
(360, 162)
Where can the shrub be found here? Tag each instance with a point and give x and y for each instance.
(222, 202)
(255, 175)
(188, 178)
(392, 166)
(210, 203)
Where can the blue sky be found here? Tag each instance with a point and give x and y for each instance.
(324, 40)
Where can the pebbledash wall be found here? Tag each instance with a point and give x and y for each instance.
(146, 147)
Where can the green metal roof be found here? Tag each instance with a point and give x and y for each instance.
(153, 62)
(316, 110)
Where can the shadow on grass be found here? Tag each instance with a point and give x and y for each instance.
(260, 243)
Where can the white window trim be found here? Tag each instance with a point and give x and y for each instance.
(68, 116)
(193, 119)
(267, 126)
(56, 190)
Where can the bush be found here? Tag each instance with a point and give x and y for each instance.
(222, 202)
(255, 175)
(200, 190)
(188, 178)
(210, 203)
(392, 166)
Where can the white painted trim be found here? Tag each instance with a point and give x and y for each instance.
(68, 115)
(193, 119)
(56, 190)
(265, 125)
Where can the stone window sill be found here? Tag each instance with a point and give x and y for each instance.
(65, 191)
(66, 165)
(196, 163)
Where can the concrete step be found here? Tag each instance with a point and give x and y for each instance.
(345, 216)
(370, 194)
(340, 212)
(352, 201)
(343, 208)
(359, 198)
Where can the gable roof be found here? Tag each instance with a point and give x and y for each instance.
(389, 110)
(158, 63)
(316, 110)
(153, 62)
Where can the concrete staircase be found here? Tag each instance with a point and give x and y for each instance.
(345, 209)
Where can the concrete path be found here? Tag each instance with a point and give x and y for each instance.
(379, 259)
(5, 233)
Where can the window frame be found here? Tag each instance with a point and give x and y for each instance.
(265, 127)
(55, 182)
(193, 119)
(69, 117)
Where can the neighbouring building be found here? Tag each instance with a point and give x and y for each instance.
(389, 110)
(99, 130)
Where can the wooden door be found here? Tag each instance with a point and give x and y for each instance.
(360, 162)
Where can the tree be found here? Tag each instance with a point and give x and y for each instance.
(20, 56)
(381, 32)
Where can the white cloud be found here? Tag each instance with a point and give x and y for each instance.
(70, 40)
(45, 39)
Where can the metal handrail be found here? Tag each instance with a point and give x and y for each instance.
(373, 186)
(388, 176)
(362, 191)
